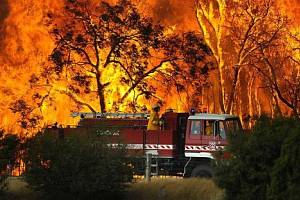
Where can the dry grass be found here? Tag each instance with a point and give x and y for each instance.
(18, 190)
(175, 189)
(157, 189)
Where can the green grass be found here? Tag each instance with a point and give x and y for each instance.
(175, 189)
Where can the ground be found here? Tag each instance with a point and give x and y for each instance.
(158, 188)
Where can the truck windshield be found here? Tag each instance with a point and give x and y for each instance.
(233, 125)
(196, 127)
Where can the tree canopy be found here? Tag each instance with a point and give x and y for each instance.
(103, 49)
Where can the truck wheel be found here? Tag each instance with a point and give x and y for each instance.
(202, 171)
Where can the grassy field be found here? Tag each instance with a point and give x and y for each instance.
(18, 190)
(157, 189)
(175, 189)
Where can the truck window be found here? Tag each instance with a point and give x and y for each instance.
(209, 127)
(222, 129)
(196, 127)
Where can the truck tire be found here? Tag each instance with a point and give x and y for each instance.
(202, 171)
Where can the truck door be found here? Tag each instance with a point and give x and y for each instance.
(209, 139)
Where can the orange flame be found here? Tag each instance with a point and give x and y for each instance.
(26, 44)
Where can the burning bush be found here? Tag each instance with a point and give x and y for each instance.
(75, 167)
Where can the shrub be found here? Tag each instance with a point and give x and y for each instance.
(247, 174)
(285, 177)
(76, 167)
(8, 154)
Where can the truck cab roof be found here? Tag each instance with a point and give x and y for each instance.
(207, 116)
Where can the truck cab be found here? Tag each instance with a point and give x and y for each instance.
(206, 134)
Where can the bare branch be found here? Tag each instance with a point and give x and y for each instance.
(72, 96)
(137, 82)
(274, 80)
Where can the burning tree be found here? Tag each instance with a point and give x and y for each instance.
(242, 83)
(280, 68)
(240, 34)
(100, 48)
(108, 55)
(189, 74)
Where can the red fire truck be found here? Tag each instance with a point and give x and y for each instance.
(184, 145)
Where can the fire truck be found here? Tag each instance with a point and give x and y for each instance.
(184, 145)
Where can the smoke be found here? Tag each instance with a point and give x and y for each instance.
(171, 13)
(164, 11)
(4, 11)
(292, 9)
